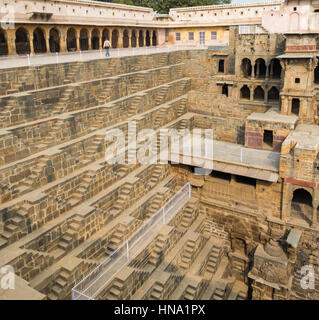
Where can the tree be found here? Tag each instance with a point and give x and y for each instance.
(163, 6)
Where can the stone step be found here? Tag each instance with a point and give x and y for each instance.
(56, 290)
(11, 228)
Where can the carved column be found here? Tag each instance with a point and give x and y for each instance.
(11, 42)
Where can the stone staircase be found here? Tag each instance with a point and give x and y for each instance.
(182, 125)
(82, 190)
(64, 99)
(105, 96)
(138, 83)
(121, 201)
(22, 84)
(155, 176)
(96, 146)
(190, 293)
(114, 293)
(159, 119)
(181, 109)
(157, 291)
(58, 289)
(188, 216)
(187, 254)
(213, 261)
(73, 74)
(116, 240)
(161, 96)
(134, 106)
(157, 251)
(34, 179)
(156, 204)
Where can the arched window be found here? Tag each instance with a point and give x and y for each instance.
(260, 68)
(39, 44)
(301, 205)
(133, 39)
(147, 39)
(154, 39)
(274, 69)
(71, 40)
(273, 95)
(105, 35)
(3, 44)
(84, 40)
(126, 40)
(115, 37)
(95, 39)
(316, 75)
(259, 93)
(225, 90)
(245, 93)
(54, 40)
(22, 41)
(295, 106)
(141, 39)
(246, 68)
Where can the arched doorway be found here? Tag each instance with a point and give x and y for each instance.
(259, 94)
(260, 68)
(154, 39)
(39, 44)
(3, 44)
(22, 41)
(105, 35)
(295, 106)
(275, 69)
(126, 39)
(316, 76)
(147, 39)
(71, 40)
(273, 95)
(115, 37)
(54, 40)
(84, 40)
(301, 205)
(140, 39)
(133, 39)
(245, 93)
(225, 89)
(246, 68)
(95, 39)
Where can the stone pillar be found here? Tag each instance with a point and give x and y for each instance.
(129, 38)
(267, 71)
(47, 42)
(78, 48)
(265, 96)
(258, 69)
(314, 213)
(63, 45)
(31, 43)
(90, 42)
(11, 42)
(251, 93)
(120, 39)
(286, 201)
(253, 71)
(143, 41)
(271, 69)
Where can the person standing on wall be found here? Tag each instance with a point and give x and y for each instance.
(106, 46)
